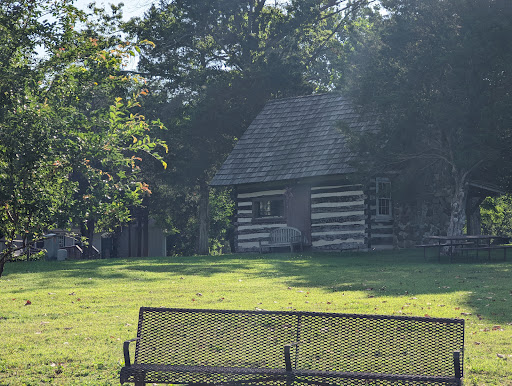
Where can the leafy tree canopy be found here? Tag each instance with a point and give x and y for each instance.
(70, 135)
(439, 75)
(216, 63)
(497, 215)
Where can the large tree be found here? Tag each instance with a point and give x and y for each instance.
(30, 174)
(438, 74)
(70, 138)
(216, 63)
(106, 136)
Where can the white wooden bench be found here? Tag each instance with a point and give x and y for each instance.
(283, 237)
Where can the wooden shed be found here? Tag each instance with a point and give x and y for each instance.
(293, 167)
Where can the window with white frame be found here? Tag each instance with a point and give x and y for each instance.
(383, 187)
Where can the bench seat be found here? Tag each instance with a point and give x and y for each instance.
(239, 375)
(155, 373)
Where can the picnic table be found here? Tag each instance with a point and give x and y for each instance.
(458, 245)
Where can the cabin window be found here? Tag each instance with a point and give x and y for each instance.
(271, 207)
(383, 197)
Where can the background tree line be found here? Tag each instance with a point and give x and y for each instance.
(214, 66)
(438, 74)
(82, 138)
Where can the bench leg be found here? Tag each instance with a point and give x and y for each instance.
(288, 365)
(456, 364)
(139, 379)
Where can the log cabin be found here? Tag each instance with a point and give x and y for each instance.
(293, 166)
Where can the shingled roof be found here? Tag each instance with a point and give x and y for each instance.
(293, 138)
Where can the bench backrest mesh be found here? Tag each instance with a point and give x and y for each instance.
(214, 338)
(379, 344)
(336, 342)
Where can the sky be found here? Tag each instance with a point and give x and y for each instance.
(131, 8)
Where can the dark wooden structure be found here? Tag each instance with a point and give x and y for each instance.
(220, 347)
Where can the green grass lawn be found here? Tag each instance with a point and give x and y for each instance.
(80, 312)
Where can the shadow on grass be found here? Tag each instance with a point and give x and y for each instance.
(486, 286)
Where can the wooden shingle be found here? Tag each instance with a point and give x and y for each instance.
(293, 138)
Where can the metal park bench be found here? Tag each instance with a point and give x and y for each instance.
(220, 347)
(283, 237)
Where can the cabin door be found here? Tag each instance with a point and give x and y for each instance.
(298, 210)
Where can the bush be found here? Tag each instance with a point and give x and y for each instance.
(497, 215)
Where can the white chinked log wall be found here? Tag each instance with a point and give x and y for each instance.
(337, 219)
(249, 233)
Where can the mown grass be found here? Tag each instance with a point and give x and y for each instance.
(80, 312)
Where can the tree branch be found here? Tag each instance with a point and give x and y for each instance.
(136, 73)
(477, 164)
(338, 26)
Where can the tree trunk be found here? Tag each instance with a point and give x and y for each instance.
(145, 235)
(130, 238)
(474, 219)
(140, 224)
(8, 252)
(4, 255)
(26, 247)
(458, 209)
(87, 230)
(204, 219)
